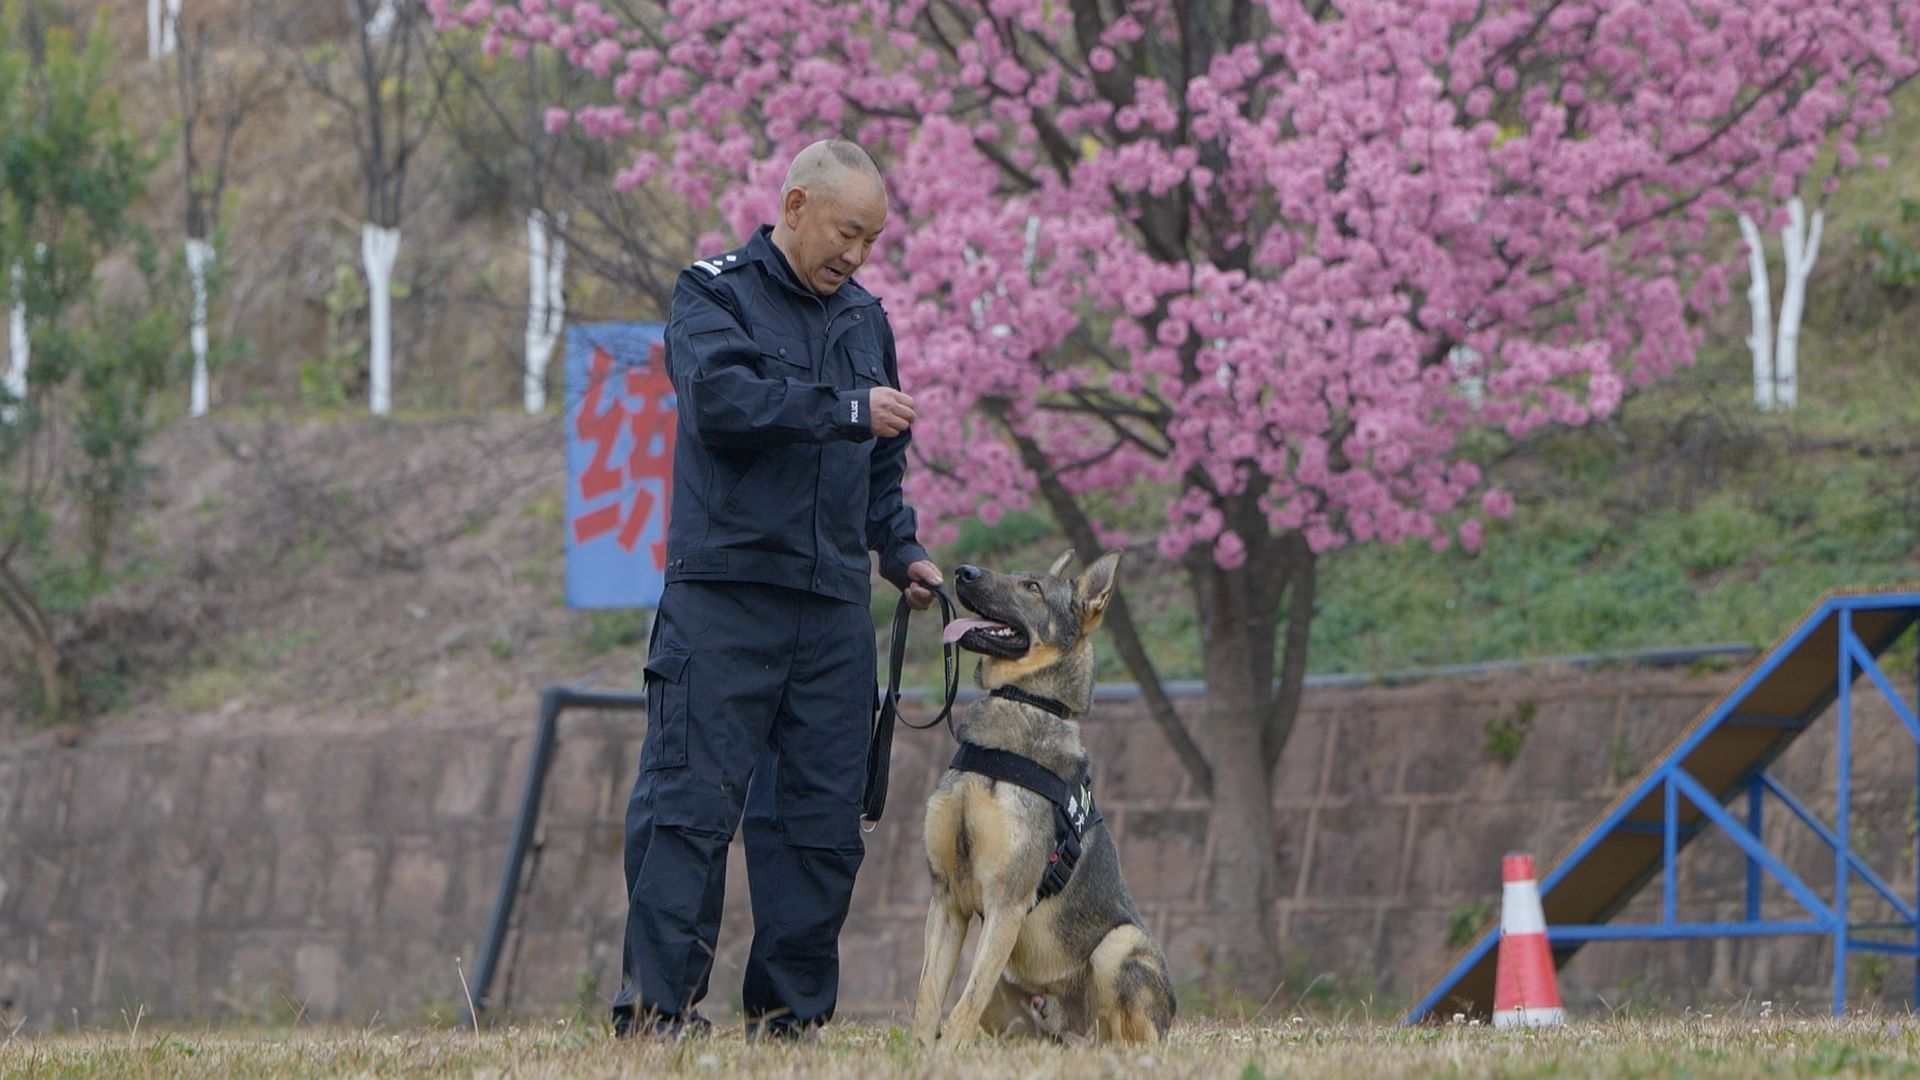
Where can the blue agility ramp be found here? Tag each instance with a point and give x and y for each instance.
(1720, 760)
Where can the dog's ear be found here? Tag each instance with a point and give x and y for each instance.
(1094, 589)
(1059, 566)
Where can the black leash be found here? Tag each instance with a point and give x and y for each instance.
(880, 746)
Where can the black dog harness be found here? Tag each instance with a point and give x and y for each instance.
(1073, 809)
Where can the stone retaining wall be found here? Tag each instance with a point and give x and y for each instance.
(346, 875)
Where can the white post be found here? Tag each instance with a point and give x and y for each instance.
(199, 258)
(546, 302)
(16, 381)
(379, 249)
(1760, 299)
(1800, 248)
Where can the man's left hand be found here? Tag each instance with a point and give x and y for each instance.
(921, 577)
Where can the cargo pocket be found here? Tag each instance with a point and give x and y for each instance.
(836, 831)
(666, 743)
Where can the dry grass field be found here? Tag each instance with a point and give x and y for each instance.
(1687, 1046)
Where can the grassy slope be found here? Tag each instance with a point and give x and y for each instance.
(1689, 518)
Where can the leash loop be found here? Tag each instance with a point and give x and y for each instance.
(880, 747)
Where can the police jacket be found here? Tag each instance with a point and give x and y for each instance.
(777, 477)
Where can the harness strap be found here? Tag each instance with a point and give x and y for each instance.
(1045, 704)
(1073, 809)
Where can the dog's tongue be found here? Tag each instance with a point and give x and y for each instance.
(958, 627)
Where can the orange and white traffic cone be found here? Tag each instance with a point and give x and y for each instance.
(1524, 991)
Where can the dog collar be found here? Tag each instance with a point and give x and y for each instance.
(1014, 693)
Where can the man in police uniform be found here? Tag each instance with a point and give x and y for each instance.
(760, 676)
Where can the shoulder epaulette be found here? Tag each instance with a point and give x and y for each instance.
(720, 264)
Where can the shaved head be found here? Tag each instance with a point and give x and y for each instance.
(827, 163)
(832, 208)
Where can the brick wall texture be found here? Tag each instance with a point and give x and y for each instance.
(349, 875)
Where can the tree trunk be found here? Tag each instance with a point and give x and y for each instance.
(32, 621)
(1799, 249)
(1240, 845)
(199, 258)
(379, 248)
(19, 345)
(1760, 305)
(48, 662)
(546, 302)
(162, 20)
(1237, 658)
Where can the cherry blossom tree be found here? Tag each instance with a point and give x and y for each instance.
(1239, 259)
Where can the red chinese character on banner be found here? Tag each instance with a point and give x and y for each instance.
(641, 405)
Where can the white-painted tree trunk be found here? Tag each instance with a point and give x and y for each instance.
(1776, 354)
(18, 346)
(1465, 362)
(1032, 248)
(380, 249)
(162, 17)
(383, 19)
(1800, 249)
(199, 260)
(546, 302)
(1760, 300)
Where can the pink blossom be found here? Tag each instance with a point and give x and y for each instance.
(1229, 551)
(1266, 264)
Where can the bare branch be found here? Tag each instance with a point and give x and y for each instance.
(223, 98)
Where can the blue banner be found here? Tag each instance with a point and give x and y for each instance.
(620, 428)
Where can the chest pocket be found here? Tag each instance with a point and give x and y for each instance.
(866, 367)
(782, 356)
(863, 356)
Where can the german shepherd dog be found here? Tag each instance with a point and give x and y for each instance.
(1075, 964)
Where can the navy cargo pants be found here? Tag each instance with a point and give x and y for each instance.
(758, 697)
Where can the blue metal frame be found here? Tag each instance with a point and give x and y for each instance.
(1673, 783)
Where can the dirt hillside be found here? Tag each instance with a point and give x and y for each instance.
(331, 572)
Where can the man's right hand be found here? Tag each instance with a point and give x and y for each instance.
(891, 412)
